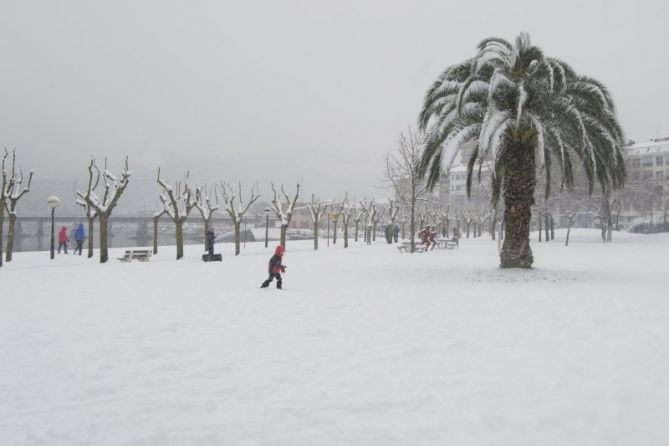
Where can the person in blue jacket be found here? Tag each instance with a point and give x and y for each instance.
(79, 237)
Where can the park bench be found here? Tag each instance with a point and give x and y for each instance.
(212, 257)
(143, 255)
(406, 247)
(448, 243)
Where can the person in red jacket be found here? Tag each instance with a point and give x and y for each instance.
(62, 239)
(275, 268)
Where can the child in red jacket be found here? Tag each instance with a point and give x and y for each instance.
(275, 268)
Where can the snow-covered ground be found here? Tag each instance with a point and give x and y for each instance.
(365, 346)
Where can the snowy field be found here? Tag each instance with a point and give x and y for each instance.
(365, 346)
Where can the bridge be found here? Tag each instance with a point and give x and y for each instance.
(33, 232)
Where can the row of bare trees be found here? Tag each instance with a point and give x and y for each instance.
(180, 200)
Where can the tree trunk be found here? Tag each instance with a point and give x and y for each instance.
(238, 237)
(334, 230)
(547, 226)
(206, 229)
(10, 236)
(566, 241)
(540, 227)
(2, 221)
(91, 228)
(284, 228)
(357, 229)
(180, 237)
(104, 254)
(374, 231)
(552, 228)
(315, 235)
(345, 233)
(468, 223)
(519, 182)
(155, 234)
(412, 223)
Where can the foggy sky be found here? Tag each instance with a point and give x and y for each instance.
(282, 90)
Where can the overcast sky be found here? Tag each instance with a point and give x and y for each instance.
(283, 90)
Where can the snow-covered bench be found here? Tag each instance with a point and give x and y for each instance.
(448, 243)
(406, 247)
(143, 255)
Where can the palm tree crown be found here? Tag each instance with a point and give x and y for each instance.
(512, 92)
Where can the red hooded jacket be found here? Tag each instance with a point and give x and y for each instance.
(62, 235)
(275, 262)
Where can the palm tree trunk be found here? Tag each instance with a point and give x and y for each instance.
(519, 182)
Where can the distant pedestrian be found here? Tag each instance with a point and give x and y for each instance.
(79, 237)
(62, 239)
(275, 268)
(396, 232)
(432, 237)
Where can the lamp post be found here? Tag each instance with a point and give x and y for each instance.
(53, 203)
(267, 226)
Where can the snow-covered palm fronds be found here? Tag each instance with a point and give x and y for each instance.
(509, 86)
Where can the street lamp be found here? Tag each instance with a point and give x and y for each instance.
(267, 210)
(53, 203)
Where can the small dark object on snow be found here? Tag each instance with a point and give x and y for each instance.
(210, 256)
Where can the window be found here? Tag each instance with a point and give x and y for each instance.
(648, 162)
(659, 160)
(659, 175)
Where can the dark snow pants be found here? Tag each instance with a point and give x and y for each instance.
(80, 246)
(271, 277)
(62, 245)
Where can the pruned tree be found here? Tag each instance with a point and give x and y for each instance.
(206, 208)
(283, 206)
(347, 213)
(91, 214)
(393, 212)
(7, 185)
(316, 212)
(236, 208)
(103, 207)
(357, 218)
(370, 212)
(402, 171)
(336, 211)
(13, 194)
(177, 206)
(156, 218)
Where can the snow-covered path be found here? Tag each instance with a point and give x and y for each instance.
(364, 346)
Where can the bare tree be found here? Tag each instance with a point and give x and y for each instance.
(393, 212)
(316, 212)
(370, 211)
(358, 216)
(177, 206)
(206, 208)
(156, 218)
(91, 215)
(238, 209)
(114, 188)
(5, 191)
(347, 213)
(283, 206)
(402, 172)
(12, 196)
(335, 212)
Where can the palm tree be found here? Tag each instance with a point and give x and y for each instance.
(522, 112)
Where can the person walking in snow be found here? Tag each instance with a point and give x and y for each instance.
(62, 239)
(275, 268)
(79, 237)
(396, 232)
(424, 235)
